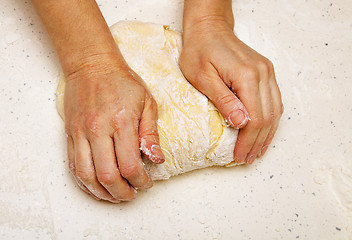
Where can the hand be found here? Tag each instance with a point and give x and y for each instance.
(239, 81)
(109, 117)
(109, 114)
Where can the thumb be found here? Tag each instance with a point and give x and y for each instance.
(148, 133)
(230, 107)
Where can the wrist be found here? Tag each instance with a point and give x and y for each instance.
(79, 33)
(207, 15)
(94, 64)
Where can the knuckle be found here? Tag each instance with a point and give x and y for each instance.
(199, 79)
(148, 135)
(74, 127)
(250, 72)
(67, 128)
(257, 123)
(91, 122)
(281, 109)
(278, 111)
(270, 66)
(265, 66)
(269, 119)
(106, 178)
(153, 105)
(120, 120)
(130, 171)
(225, 99)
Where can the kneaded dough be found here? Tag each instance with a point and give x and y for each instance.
(193, 134)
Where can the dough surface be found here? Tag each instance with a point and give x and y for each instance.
(192, 132)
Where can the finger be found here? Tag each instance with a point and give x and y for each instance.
(230, 107)
(248, 92)
(128, 153)
(148, 133)
(257, 146)
(85, 171)
(269, 138)
(71, 165)
(84, 188)
(277, 98)
(268, 117)
(245, 140)
(106, 169)
(71, 153)
(278, 111)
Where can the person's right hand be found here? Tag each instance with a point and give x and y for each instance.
(239, 81)
(109, 117)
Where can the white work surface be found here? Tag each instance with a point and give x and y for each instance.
(301, 188)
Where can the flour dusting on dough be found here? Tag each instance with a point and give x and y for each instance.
(192, 132)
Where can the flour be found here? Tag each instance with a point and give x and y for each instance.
(193, 134)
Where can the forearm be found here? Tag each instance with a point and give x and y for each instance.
(198, 12)
(78, 31)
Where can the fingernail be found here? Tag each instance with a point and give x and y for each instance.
(238, 118)
(129, 199)
(250, 159)
(148, 184)
(135, 193)
(262, 152)
(157, 154)
(71, 166)
(240, 159)
(96, 198)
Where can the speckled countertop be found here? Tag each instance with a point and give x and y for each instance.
(301, 189)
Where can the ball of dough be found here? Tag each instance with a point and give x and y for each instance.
(193, 134)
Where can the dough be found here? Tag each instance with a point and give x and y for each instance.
(192, 132)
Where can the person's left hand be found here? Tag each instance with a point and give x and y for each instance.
(239, 81)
